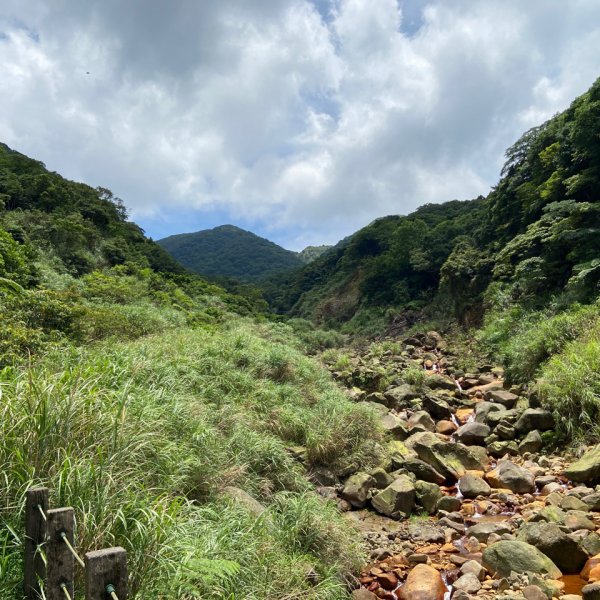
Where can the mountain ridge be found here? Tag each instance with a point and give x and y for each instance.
(230, 251)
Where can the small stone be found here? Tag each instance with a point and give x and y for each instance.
(533, 592)
(468, 583)
(472, 566)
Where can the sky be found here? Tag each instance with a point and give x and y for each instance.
(300, 120)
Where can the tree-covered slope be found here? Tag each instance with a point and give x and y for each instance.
(228, 251)
(73, 269)
(534, 237)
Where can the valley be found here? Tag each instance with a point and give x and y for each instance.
(413, 413)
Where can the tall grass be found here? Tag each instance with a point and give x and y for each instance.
(141, 438)
(570, 386)
(525, 340)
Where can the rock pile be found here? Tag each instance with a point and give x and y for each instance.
(467, 504)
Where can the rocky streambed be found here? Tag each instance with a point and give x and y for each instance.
(471, 503)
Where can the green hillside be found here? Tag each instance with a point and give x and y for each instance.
(164, 409)
(534, 239)
(229, 251)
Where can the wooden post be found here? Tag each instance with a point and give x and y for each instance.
(61, 564)
(35, 536)
(103, 568)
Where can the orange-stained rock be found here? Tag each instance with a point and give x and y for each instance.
(445, 427)
(423, 583)
(463, 414)
(591, 569)
(388, 581)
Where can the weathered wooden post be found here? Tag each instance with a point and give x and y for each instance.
(36, 508)
(60, 570)
(106, 574)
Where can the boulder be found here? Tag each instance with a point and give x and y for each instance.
(507, 555)
(503, 397)
(577, 520)
(472, 433)
(482, 531)
(508, 475)
(423, 583)
(382, 477)
(428, 495)
(483, 409)
(423, 471)
(467, 583)
(474, 567)
(400, 396)
(449, 503)
(422, 421)
(251, 504)
(356, 489)
(556, 544)
(449, 459)
(397, 500)
(438, 382)
(471, 486)
(533, 592)
(437, 407)
(395, 426)
(445, 427)
(499, 449)
(591, 591)
(532, 442)
(534, 418)
(587, 468)
(506, 415)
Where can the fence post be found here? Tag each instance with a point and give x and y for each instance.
(61, 565)
(103, 568)
(35, 536)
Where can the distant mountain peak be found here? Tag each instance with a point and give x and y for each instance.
(229, 251)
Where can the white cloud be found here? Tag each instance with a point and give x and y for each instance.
(302, 122)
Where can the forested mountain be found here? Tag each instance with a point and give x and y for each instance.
(536, 236)
(74, 269)
(228, 251)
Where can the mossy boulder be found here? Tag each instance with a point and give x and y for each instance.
(587, 468)
(507, 555)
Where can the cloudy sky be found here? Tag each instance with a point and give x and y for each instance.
(301, 120)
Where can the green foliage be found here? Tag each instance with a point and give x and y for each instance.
(142, 437)
(414, 376)
(230, 252)
(537, 232)
(526, 339)
(569, 385)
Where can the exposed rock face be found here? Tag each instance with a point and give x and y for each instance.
(508, 475)
(397, 500)
(423, 583)
(505, 556)
(556, 544)
(587, 468)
